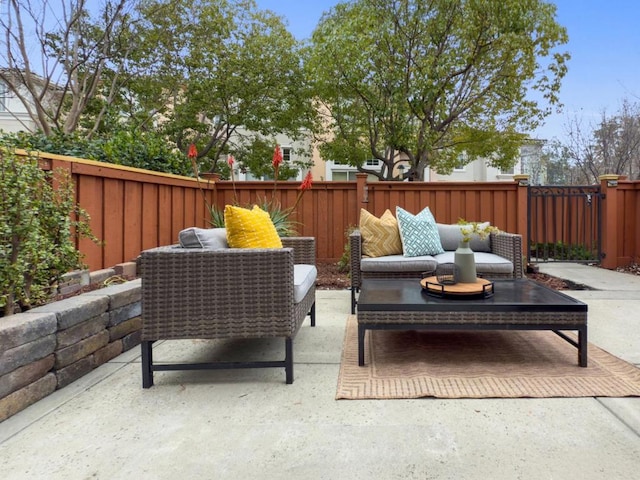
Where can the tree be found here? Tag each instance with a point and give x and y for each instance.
(556, 162)
(55, 54)
(423, 82)
(257, 156)
(610, 147)
(221, 68)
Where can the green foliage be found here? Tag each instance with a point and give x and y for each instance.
(424, 82)
(559, 251)
(140, 81)
(38, 225)
(147, 150)
(256, 155)
(217, 70)
(217, 217)
(280, 217)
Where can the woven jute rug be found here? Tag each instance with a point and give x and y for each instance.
(481, 364)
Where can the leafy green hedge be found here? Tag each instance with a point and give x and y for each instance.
(37, 228)
(148, 150)
(563, 251)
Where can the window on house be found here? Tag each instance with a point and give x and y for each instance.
(372, 162)
(507, 171)
(286, 154)
(343, 176)
(461, 166)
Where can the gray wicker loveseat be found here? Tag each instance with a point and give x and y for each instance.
(216, 292)
(497, 256)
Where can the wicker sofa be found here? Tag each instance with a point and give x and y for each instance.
(500, 256)
(223, 293)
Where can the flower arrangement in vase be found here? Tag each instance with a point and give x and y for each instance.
(464, 257)
(468, 229)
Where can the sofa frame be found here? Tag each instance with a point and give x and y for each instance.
(196, 293)
(506, 245)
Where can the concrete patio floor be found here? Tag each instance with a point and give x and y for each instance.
(246, 424)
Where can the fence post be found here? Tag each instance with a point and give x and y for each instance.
(362, 192)
(522, 210)
(609, 226)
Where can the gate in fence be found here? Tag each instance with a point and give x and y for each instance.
(564, 224)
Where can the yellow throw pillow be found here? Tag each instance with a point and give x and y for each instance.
(250, 228)
(380, 236)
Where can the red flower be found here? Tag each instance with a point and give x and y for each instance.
(230, 161)
(306, 183)
(193, 151)
(277, 157)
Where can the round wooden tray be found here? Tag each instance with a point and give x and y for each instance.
(481, 287)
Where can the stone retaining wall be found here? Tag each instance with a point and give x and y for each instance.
(51, 346)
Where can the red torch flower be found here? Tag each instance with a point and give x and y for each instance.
(306, 183)
(192, 155)
(277, 157)
(230, 161)
(193, 151)
(276, 161)
(304, 186)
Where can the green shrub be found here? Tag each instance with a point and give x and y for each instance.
(38, 225)
(563, 251)
(148, 150)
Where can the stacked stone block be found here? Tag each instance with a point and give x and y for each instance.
(53, 345)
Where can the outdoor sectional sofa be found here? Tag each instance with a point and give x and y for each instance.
(499, 255)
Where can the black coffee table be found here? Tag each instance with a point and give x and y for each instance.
(401, 304)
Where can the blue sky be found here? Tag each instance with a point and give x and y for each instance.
(604, 43)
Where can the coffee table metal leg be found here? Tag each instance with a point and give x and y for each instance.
(361, 332)
(582, 346)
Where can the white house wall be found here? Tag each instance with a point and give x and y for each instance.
(14, 117)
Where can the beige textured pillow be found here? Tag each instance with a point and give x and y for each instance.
(380, 236)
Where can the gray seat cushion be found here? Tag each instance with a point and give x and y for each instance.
(486, 263)
(399, 263)
(304, 277)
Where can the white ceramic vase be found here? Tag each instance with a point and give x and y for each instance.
(466, 263)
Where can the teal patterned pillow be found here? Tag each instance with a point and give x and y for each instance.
(419, 233)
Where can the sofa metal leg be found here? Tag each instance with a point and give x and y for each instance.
(312, 314)
(147, 364)
(353, 300)
(288, 360)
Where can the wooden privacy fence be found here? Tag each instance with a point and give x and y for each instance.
(132, 209)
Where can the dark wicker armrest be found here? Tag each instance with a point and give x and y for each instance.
(355, 254)
(304, 249)
(509, 246)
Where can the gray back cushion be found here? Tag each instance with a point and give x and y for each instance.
(211, 238)
(450, 236)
